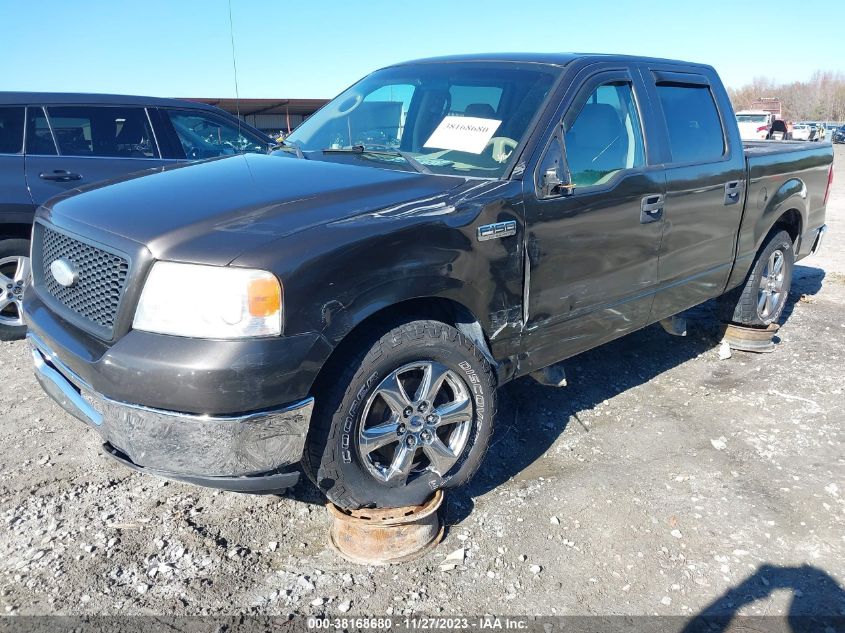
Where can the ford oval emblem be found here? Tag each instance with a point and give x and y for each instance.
(63, 272)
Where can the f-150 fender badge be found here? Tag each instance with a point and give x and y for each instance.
(497, 230)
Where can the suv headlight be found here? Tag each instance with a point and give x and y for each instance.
(209, 302)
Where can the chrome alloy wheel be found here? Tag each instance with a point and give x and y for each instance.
(401, 435)
(15, 275)
(771, 295)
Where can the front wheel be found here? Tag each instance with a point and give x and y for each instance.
(402, 417)
(15, 274)
(761, 300)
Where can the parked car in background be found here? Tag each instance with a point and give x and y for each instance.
(73, 140)
(802, 132)
(754, 124)
(838, 135)
(438, 229)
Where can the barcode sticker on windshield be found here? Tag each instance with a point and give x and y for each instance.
(463, 133)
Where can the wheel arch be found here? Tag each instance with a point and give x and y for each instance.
(786, 209)
(375, 320)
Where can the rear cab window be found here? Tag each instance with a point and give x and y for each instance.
(693, 125)
(11, 129)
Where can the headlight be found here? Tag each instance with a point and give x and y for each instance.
(209, 302)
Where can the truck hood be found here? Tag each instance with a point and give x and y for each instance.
(211, 212)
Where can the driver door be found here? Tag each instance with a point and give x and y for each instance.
(593, 238)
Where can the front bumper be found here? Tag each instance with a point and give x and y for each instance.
(246, 453)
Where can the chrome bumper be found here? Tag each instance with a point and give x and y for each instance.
(819, 239)
(210, 450)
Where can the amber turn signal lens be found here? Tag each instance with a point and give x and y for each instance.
(265, 297)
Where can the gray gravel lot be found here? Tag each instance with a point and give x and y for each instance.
(661, 481)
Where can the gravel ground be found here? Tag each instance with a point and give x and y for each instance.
(663, 480)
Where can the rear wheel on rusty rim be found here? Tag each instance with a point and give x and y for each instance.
(761, 300)
(15, 276)
(401, 417)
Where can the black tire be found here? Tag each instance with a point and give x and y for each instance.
(333, 457)
(742, 305)
(11, 248)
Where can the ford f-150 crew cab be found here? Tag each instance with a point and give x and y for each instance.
(440, 228)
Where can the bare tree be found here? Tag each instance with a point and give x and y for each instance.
(822, 98)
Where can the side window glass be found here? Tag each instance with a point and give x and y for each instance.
(205, 136)
(695, 131)
(109, 131)
(606, 135)
(11, 130)
(39, 140)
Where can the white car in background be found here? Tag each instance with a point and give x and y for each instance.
(802, 132)
(754, 124)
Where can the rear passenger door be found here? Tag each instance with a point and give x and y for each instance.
(75, 145)
(705, 180)
(15, 202)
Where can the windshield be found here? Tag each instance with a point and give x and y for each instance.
(461, 119)
(752, 118)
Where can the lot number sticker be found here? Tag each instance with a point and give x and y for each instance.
(463, 133)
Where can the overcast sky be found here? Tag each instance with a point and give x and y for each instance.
(315, 48)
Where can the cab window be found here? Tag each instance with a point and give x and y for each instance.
(605, 137)
(692, 120)
(206, 136)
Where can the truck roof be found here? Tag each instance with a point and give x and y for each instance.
(551, 59)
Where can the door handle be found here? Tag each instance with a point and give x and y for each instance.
(651, 208)
(732, 191)
(59, 175)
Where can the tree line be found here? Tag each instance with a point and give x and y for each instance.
(822, 98)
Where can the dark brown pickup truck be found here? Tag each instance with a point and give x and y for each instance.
(440, 228)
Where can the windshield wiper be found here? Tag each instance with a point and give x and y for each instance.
(282, 145)
(360, 149)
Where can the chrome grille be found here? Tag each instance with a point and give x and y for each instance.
(102, 277)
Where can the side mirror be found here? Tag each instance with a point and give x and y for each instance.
(553, 185)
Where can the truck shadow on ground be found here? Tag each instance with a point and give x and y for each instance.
(531, 416)
(818, 603)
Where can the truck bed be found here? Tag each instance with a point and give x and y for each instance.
(763, 148)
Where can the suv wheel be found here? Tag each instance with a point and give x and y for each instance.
(15, 275)
(407, 415)
(761, 300)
